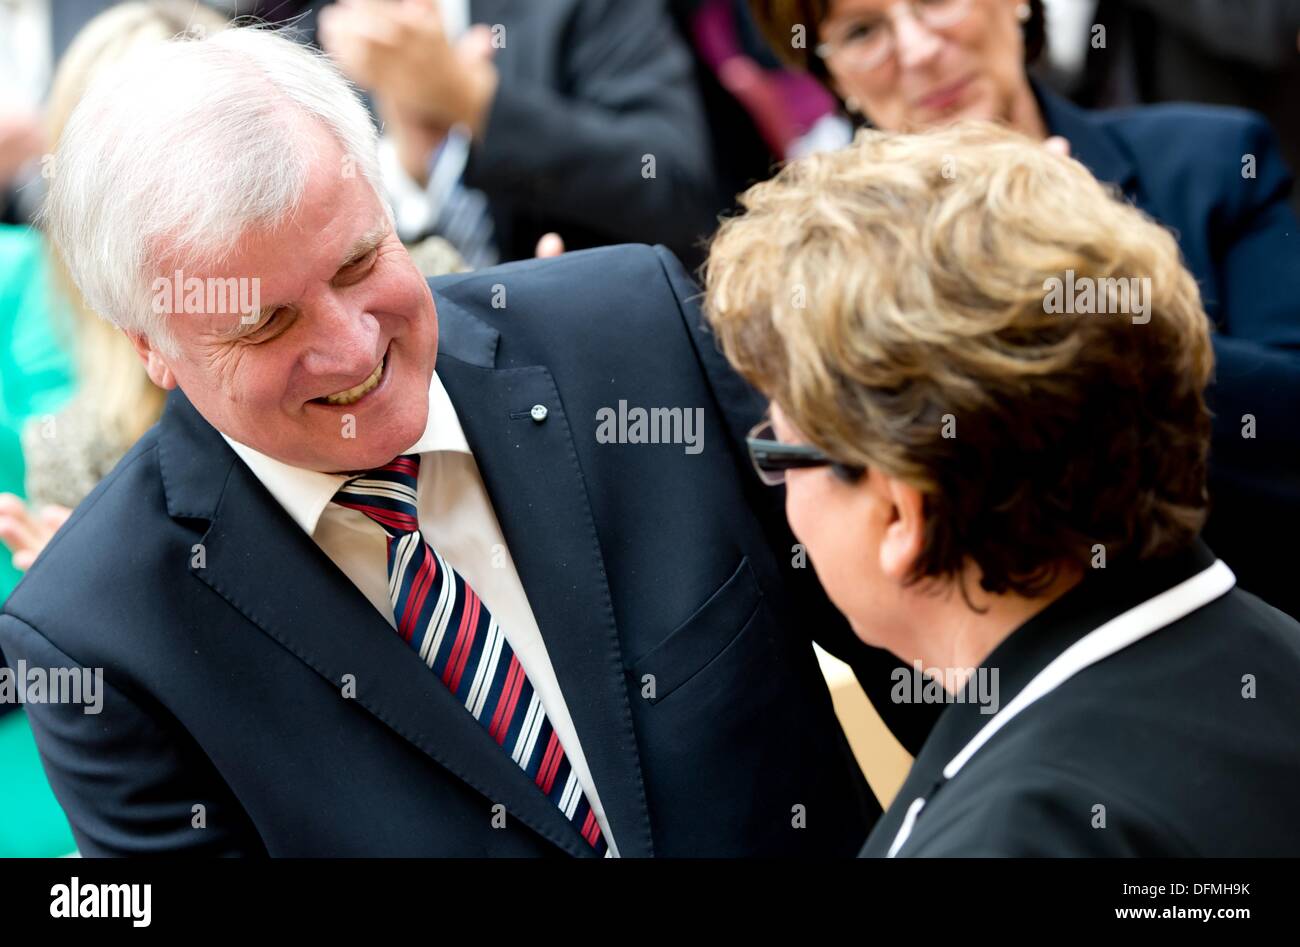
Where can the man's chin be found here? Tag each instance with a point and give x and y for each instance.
(361, 457)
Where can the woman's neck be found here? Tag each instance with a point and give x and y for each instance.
(970, 636)
(1024, 115)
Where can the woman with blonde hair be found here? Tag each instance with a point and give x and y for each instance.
(1006, 492)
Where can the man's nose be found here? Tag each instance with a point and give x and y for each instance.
(346, 342)
(914, 43)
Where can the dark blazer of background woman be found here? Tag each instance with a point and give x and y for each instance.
(1216, 178)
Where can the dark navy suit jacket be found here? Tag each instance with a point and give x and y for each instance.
(224, 683)
(1183, 165)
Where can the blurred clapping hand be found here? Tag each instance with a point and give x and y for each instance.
(26, 532)
(422, 83)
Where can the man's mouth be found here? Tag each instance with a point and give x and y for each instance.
(356, 392)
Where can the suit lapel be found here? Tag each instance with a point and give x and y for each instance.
(269, 570)
(531, 472)
(1090, 144)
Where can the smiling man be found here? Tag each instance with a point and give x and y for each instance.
(373, 585)
(343, 341)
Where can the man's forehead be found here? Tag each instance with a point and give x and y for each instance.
(288, 265)
(231, 297)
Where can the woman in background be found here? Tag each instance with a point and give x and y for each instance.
(53, 337)
(1010, 497)
(1214, 176)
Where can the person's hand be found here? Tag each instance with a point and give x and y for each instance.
(414, 139)
(21, 140)
(551, 244)
(399, 50)
(1058, 145)
(26, 534)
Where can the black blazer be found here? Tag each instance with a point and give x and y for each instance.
(1158, 733)
(224, 682)
(1182, 165)
(589, 88)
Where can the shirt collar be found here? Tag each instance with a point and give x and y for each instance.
(304, 494)
(1103, 594)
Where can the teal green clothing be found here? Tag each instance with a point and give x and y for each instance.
(35, 368)
(31, 823)
(35, 379)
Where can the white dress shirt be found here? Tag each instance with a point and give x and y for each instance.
(457, 519)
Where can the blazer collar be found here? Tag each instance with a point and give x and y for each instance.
(1102, 595)
(1090, 142)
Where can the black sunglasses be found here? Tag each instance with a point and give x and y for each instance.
(772, 458)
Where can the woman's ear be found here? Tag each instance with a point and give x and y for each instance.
(905, 526)
(154, 365)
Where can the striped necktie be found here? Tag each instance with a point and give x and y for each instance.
(442, 618)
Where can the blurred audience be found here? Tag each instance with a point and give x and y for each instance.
(52, 338)
(34, 34)
(1224, 52)
(506, 120)
(1213, 176)
(35, 378)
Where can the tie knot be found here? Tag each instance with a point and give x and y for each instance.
(386, 494)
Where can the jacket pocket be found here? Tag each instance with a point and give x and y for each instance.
(696, 642)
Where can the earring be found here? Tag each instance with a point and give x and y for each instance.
(852, 105)
(1024, 12)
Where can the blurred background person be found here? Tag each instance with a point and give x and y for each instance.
(1213, 176)
(1011, 497)
(505, 120)
(74, 392)
(33, 36)
(1226, 52)
(35, 378)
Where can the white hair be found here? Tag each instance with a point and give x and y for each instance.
(181, 149)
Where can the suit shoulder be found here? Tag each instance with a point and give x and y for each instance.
(1033, 810)
(1207, 146)
(599, 266)
(605, 296)
(86, 546)
(1165, 127)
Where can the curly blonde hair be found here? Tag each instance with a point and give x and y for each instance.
(892, 299)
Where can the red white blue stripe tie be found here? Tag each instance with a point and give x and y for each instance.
(442, 618)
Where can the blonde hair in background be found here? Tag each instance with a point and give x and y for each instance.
(122, 401)
(897, 288)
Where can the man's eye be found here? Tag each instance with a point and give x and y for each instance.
(360, 265)
(269, 323)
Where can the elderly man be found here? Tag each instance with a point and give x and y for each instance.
(344, 604)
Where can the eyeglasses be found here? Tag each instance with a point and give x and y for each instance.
(869, 40)
(772, 458)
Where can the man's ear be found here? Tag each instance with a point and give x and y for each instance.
(905, 527)
(158, 371)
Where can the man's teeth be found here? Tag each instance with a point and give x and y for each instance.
(356, 393)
